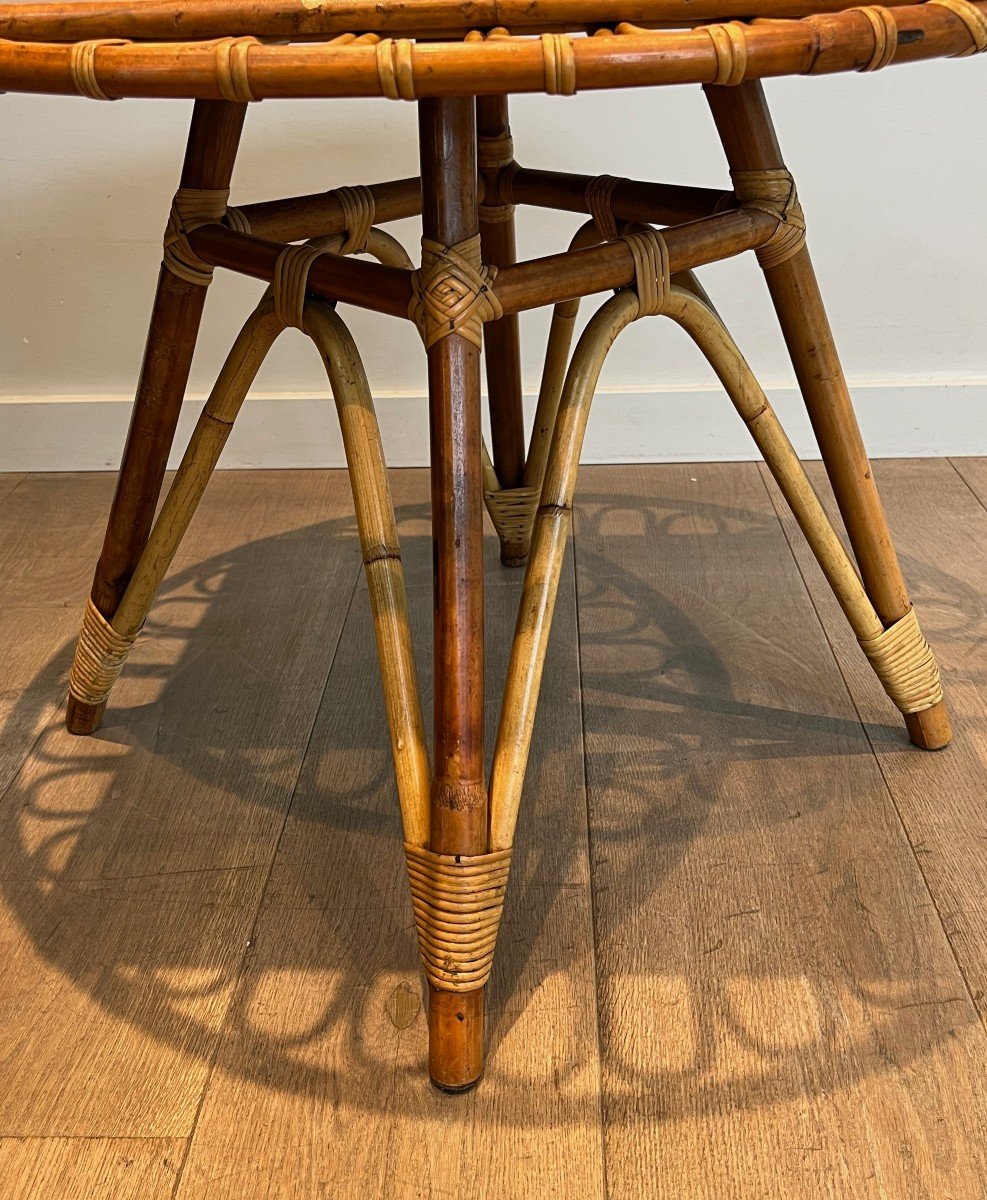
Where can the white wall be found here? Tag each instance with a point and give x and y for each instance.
(891, 169)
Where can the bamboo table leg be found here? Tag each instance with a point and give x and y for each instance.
(178, 304)
(501, 344)
(459, 795)
(748, 136)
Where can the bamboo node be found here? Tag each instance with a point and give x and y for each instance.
(773, 192)
(973, 18)
(494, 151)
(885, 36)
(560, 64)
(599, 196)
(290, 283)
(652, 271)
(232, 75)
(82, 67)
(359, 212)
(394, 68)
(904, 663)
(453, 292)
(502, 210)
(512, 511)
(99, 657)
(190, 208)
(458, 901)
(730, 47)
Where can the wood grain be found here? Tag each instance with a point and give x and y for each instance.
(781, 1013)
(940, 529)
(131, 863)
(103, 1168)
(320, 1088)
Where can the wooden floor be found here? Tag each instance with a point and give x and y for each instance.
(745, 947)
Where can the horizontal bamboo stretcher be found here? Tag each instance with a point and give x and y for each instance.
(94, 51)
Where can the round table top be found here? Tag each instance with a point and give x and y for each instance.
(244, 50)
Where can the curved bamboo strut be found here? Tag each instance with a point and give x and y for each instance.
(557, 360)
(372, 501)
(821, 43)
(555, 516)
(382, 562)
(553, 372)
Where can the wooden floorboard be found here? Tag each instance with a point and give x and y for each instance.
(8, 481)
(781, 1011)
(939, 527)
(320, 1088)
(131, 863)
(973, 472)
(89, 1168)
(209, 982)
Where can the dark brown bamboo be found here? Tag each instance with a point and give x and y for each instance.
(631, 200)
(748, 136)
(575, 273)
(209, 157)
(501, 339)
(459, 796)
(321, 214)
(350, 280)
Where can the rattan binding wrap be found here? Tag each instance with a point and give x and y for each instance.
(973, 18)
(99, 657)
(291, 282)
(191, 208)
(773, 192)
(512, 511)
(885, 36)
(652, 273)
(453, 293)
(905, 665)
(82, 66)
(458, 901)
(232, 69)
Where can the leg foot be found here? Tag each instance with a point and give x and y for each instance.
(930, 729)
(455, 1039)
(82, 718)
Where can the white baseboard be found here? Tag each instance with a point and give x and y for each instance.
(86, 433)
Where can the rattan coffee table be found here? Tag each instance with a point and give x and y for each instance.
(464, 299)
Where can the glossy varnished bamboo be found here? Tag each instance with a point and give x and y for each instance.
(636, 57)
(747, 133)
(212, 144)
(447, 132)
(157, 19)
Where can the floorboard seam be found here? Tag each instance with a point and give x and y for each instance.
(207, 1083)
(969, 486)
(902, 824)
(604, 1183)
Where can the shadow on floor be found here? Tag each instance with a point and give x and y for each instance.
(193, 785)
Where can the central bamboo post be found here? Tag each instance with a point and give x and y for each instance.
(458, 814)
